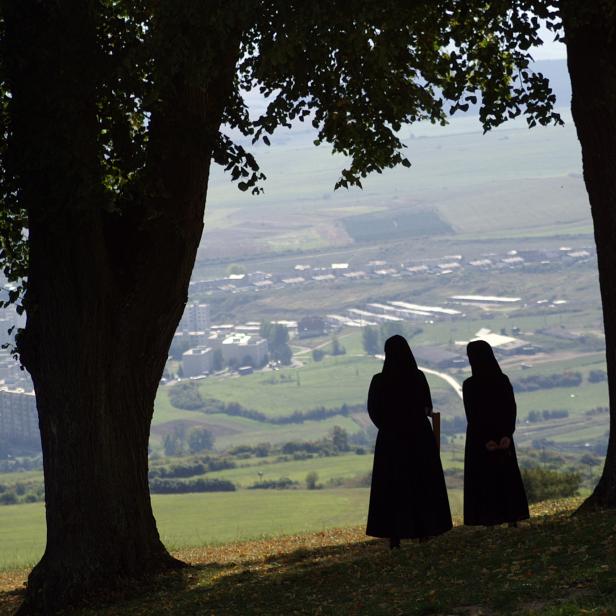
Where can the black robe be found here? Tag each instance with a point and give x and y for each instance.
(408, 497)
(493, 488)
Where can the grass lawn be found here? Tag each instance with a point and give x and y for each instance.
(554, 565)
(327, 468)
(332, 382)
(186, 520)
(574, 399)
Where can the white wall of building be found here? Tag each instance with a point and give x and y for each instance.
(197, 361)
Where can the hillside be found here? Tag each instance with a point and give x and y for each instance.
(555, 565)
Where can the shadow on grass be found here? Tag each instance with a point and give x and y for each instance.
(554, 565)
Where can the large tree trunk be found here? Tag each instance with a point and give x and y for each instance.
(590, 32)
(95, 395)
(106, 290)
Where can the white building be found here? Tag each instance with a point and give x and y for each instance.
(18, 416)
(197, 361)
(196, 318)
(190, 339)
(239, 346)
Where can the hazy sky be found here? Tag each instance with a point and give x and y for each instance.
(549, 50)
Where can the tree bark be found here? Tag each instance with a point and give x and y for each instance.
(105, 293)
(590, 32)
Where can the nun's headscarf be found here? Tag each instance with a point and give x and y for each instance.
(482, 360)
(399, 358)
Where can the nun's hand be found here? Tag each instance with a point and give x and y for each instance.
(491, 446)
(505, 442)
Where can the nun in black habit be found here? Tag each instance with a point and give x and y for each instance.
(493, 488)
(408, 497)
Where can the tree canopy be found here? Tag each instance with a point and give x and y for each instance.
(357, 70)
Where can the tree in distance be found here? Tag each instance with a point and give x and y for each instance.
(370, 340)
(200, 439)
(235, 268)
(337, 348)
(173, 444)
(340, 439)
(318, 354)
(277, 337)
(312, 479)
(186, 396)
(111, 114)
(218, 362)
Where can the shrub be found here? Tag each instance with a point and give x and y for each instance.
(200, 439)
(186, 396)
(284, 483)
(548, 381)
(262, 450)
(542, 484)
(337, 348)
(174, 486)
(340, 439)
(597, 376)
(220, 464)
(177, 470)
(8, 498)
(318, 354)
(173, 444)
(555, 414)
(311, 480)
(545, 415)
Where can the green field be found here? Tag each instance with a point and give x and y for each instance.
(394, 224)
(330, 383)
(511, 182)
(208, 519)
(339, 467)
(345, 380)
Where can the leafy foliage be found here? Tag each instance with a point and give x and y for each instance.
(548, 381)
(370, 340)
(356, 70)
(312, 479)
(200, 439)
(543, 484)
(186, 396)
(277, 337)
(177, 486)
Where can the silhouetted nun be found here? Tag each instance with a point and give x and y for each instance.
(493, 488)
(408, 497)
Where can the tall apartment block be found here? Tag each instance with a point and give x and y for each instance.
(18, 416)
(196, 318)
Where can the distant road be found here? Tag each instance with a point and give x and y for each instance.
(447, 378)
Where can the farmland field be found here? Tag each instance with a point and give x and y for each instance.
(511, 182)
(394, 224)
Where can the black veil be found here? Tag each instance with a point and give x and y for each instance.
(399, 359)
(482, 360)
